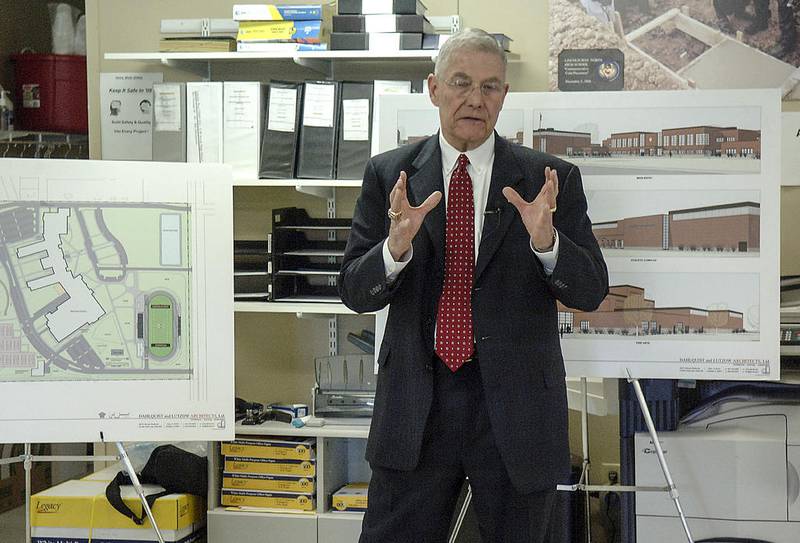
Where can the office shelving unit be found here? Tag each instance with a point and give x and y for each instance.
(340, 448)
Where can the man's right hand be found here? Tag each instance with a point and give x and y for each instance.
(408, 218)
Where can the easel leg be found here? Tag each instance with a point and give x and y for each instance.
(586, 463)
(126, 462)
(28, 465)
(461, 515)
(673, 491)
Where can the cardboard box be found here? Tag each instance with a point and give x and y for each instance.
(283, 448)
(270, 483)
(79, 510)
(351, 497)
(269, 466)
(271, 500)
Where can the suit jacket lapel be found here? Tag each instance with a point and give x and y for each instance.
(426, 180)
(505, 173)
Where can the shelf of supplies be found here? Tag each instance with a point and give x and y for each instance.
(320, 61)
(272, 428)
(293, 306)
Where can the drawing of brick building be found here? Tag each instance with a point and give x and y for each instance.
(626, 311)
(727, 227)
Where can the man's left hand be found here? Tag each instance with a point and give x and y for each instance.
(537, 216)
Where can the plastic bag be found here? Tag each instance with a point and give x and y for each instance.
(62, 21)
(79, 43)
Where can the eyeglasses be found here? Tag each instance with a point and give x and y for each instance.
(463, 86)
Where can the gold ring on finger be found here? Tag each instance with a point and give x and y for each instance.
(394, 215)
(553, 209)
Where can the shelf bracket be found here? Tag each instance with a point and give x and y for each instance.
(200, 68)
(320, 192)
(321, 66)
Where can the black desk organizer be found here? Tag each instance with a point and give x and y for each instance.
(306, 256)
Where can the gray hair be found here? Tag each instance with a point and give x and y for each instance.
(471, 39)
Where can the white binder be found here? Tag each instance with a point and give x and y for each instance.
(243, 110)
(204, 121)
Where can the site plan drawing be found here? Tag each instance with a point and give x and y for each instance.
(104, 310)
(682, 191)
(85, 288)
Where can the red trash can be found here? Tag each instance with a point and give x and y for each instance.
(50, 93)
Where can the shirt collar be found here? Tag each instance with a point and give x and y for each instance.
(480, 158)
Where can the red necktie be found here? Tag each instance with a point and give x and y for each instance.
(454, 342)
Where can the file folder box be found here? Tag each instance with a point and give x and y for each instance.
(355, 127)
(281, 130)
(383, 41)
(169, 122)
(382, 23)
(243, 111)
(316, 154)
(369, 7)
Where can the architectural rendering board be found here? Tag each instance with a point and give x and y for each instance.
(691, 241)
(105, 275)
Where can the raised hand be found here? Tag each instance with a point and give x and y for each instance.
(405, 218)
(537, 216)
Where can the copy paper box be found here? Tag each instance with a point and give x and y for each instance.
(269, 483)
(79, 511)
(270, 466)
(272, 500)
(283, 448)
(351, 497)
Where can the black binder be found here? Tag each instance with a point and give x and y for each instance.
(279, 146)
(316, 154)
(354, 150)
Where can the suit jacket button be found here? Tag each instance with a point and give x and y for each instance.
(429, 366)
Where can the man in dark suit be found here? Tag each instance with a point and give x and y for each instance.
(471, 378)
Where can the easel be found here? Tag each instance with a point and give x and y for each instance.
(583, 483)
(28, 459)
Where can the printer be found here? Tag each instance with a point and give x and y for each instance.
(735, 461)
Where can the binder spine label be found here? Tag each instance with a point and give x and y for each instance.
(167, 107)
(355, 120)
(319, 105)
(282, 109)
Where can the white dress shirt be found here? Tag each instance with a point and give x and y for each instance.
(481, 160)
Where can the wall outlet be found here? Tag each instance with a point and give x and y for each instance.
(605, 469)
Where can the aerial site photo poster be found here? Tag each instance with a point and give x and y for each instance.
(674, 44)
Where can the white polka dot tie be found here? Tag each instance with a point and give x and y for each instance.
(454, 342)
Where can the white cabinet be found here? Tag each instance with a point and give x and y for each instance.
(340, 459)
